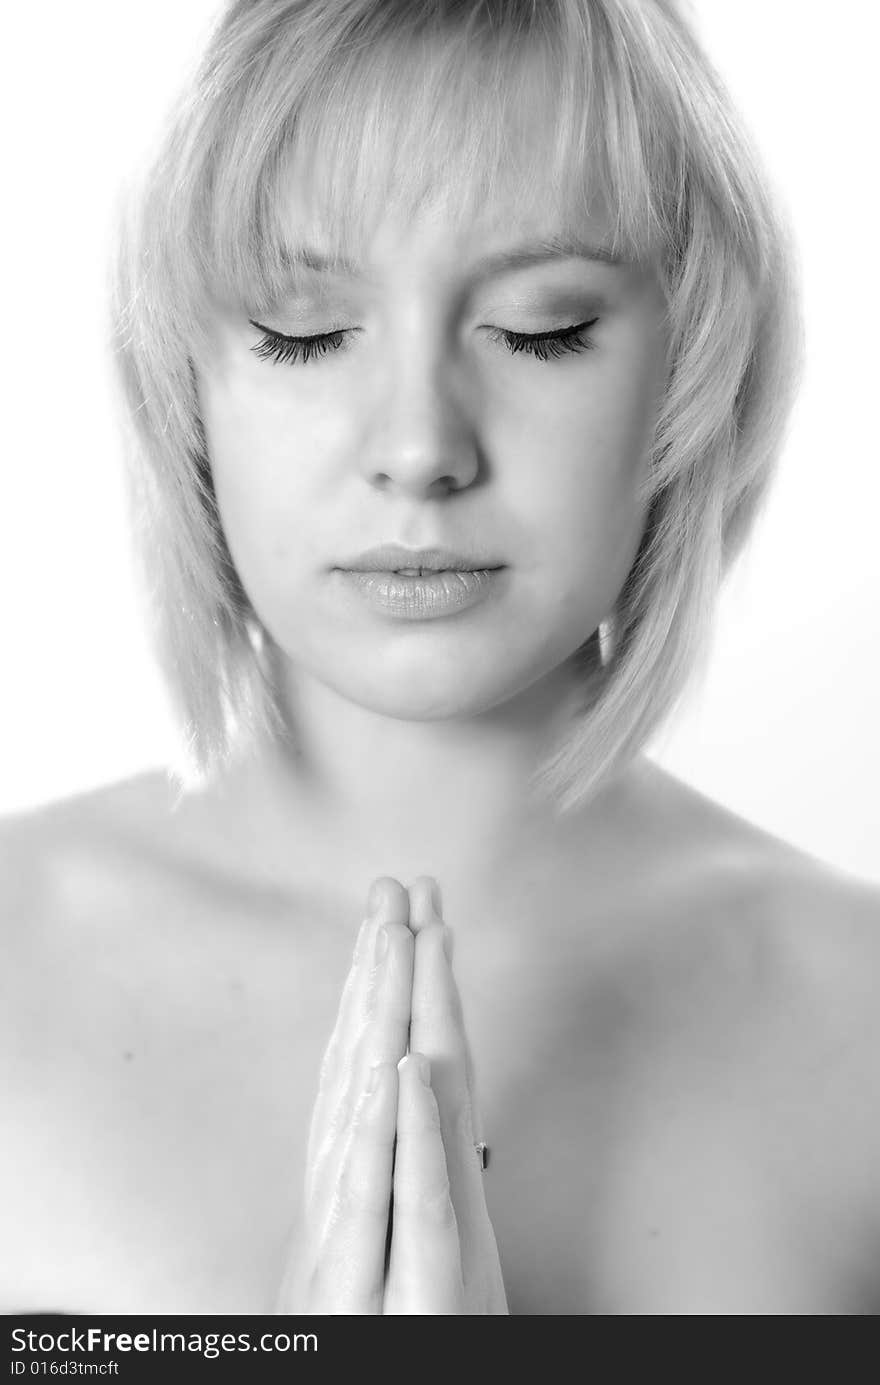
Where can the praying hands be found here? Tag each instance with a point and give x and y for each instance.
(395, 1217)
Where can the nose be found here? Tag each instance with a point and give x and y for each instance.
(420, 437)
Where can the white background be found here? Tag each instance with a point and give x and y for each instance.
(782, 729)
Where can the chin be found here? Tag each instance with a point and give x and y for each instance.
(435, 689)
(407, 703)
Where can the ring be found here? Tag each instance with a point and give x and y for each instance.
(482, 1150)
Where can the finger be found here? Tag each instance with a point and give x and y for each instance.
(437, 1030)
(425, 903)
(424, 1271)
(348, 1258)
(437, 1027)
(383, 1038)
(387, 905)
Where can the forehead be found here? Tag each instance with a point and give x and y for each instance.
(481, 153)
(474, 151)
(515, 227)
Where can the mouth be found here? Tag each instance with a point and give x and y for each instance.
(418, 563)
(420, 584)
(430, 571)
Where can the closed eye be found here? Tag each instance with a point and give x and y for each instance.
(547, 345)
(544, 346)
(277, 347)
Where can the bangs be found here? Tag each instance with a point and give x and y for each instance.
(516, 106)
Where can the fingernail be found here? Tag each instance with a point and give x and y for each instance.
(424, 1070)
(375, 897)
(381, 946)
(448, 942)
(436, 899)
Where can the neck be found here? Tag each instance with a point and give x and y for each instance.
(359, 794)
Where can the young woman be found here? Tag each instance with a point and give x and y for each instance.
(457, 342)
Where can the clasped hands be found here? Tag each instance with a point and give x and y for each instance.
(395, 1217)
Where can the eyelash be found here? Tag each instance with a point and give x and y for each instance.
(544, 346)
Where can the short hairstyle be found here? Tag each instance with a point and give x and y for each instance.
(390, 101)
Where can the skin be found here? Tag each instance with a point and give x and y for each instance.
(425, 429)
(421, 427)
(672, 1019)
(388, 1125)
(671, 1014)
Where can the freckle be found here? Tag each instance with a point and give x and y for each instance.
(128, 1055)
(653, 1232)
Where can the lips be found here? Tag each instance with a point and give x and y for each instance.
(436, 593)
(413, 562)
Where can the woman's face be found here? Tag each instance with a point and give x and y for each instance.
(424, 417)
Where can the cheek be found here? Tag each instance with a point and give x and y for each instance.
(584, 457)
(269, 461)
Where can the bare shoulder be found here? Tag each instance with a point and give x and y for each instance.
(76, 879)
(756, 989)
(120, 986)
(804, 924)
(56, 857)
(829, 918)
(79, 859)
(94, 890)
(143, 820)
(99, 891)
(787, 955)
(67, 869)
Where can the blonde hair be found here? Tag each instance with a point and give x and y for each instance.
(637, 115)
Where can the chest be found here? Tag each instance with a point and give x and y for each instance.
(636, 1166)
(180, 1190)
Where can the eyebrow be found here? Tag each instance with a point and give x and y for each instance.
(540, 251)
